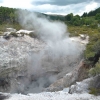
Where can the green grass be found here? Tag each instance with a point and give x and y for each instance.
(7, 25)
(76, 30)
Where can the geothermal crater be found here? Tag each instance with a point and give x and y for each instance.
(30, 64)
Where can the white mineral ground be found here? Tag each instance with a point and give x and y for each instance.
(15, 53)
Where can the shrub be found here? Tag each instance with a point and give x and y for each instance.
(92, 52)
(96, 70)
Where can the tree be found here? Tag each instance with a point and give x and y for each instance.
(69, 17)
(7, 14)
(12, 17)
(76, 20)
(97, 17)
(84, 14)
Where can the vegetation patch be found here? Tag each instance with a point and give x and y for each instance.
(94, 91)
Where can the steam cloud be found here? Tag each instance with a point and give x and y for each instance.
(59, 55)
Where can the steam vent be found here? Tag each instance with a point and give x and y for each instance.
(30, 65)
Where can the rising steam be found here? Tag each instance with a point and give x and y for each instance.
(60, 54)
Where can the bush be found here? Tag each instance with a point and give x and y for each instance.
(96, 70)
(92, 52)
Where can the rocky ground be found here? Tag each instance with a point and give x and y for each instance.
(31, 65)
(24, 57)
(79, 91)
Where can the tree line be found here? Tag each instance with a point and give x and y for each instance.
(8, 15)
(90, 19)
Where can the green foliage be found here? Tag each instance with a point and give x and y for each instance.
(89, 54)
(84, 14)
(97, 17)
(93, 13)
(94, 91)
(96, 70)
(69, 17)
(93, 47)
(93, 25)
(7, 15)
(98, 29)
(76, 30)
(76, 20)
(6, 25)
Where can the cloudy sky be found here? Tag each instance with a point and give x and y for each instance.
(54, 6)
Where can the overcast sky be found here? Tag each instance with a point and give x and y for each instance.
(54, 6)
